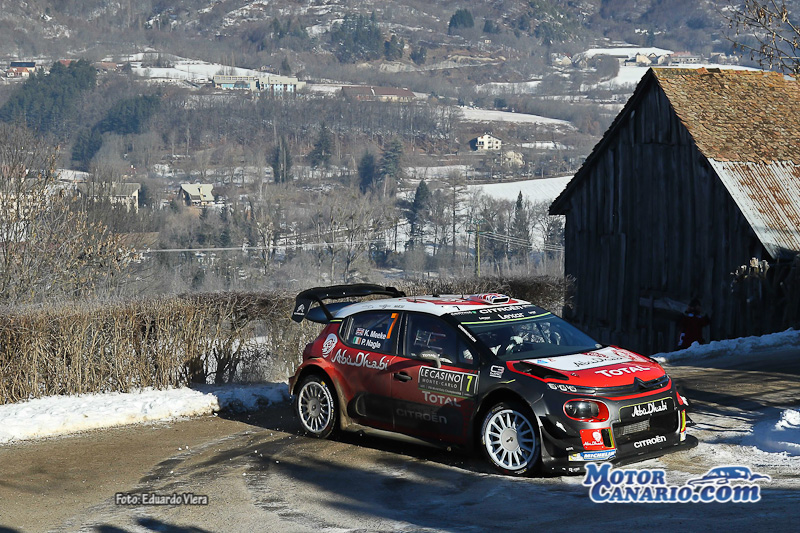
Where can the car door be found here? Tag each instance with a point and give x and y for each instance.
(370, 341)
(433, 402)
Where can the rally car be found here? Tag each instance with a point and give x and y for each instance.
(534, 393)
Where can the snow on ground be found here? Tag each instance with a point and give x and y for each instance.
(429, 173)
(491, 115)
(191, 70)
(325, 88)
(629, 51)
(60, 415)
(540, 190)
(524, 87)
(545, 145)
(630, 76)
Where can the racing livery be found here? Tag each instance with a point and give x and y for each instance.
(531, 391)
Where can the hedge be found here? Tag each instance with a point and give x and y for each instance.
(76, 348)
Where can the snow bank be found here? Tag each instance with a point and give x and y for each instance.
(733, 347)
(781, 436)
(60, 415)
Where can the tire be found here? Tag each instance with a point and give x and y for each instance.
(509, 439)
(316, 406)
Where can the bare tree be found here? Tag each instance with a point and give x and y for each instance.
(48, 246)
(767, 32)
(456, 190)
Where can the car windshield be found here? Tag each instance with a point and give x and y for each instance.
(524, 331)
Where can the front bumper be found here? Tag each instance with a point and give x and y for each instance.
(563, 465)
(627, 437)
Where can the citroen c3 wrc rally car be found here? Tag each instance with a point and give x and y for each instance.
(531, 391)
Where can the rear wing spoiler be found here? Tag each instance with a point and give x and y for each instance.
(324, 313)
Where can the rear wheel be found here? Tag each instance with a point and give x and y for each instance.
(509, 439)
(316, 407)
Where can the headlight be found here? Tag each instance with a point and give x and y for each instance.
(586, 410)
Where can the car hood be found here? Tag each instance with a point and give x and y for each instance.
(605, 367)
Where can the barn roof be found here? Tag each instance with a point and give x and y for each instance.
(737, 115)
(747, 124)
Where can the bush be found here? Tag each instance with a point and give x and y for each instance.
(174, 341)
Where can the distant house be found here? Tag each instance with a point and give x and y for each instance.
(685, 58)
(197, 194)
(20, 69)
(697, 178)
(118, 193)
(106, 66)
(270, 83)
(488, 142)
(560, 60)
(722, 59)
(645, 59)
(363, 93)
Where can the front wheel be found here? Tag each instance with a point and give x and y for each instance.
(316, 407)
(509, 439)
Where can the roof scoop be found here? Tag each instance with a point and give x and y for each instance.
(489, 298)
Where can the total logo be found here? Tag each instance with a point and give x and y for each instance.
(621, 371)
(329, 344)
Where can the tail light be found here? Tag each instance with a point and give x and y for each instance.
(586, 410)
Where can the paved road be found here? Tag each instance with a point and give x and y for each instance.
(260, 475)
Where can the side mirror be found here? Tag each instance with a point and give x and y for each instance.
(430, 355)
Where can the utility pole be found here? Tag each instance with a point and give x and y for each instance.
(477, 223)
(478, 246)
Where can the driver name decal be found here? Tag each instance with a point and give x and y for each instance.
(459, 384)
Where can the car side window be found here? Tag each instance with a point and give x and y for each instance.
(430, 333)
(374, 331)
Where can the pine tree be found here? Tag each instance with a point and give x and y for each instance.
(520, 229)
(419, 214)
(419, 55)
(367, 172)
(462, 18)
(320, 155)
(393, 48)
(391, 170)
(356, 38)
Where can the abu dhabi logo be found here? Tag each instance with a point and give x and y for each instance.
(649, 485)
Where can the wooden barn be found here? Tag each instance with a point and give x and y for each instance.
(693, 192)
